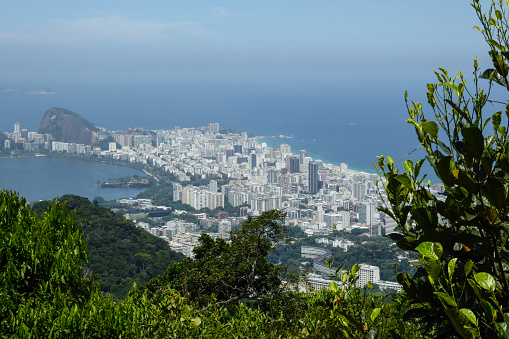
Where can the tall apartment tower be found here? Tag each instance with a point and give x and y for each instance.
(214, 128)
(253, 160)
(285, 148)
(359, 191)
(367, 213)
(213, 186)
(313, 177)
(302, 155)
(293, 165)
(272, 176)
(368, 273)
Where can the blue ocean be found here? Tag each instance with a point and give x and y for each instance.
(336, 120)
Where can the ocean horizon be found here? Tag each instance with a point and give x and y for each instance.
(335, 121)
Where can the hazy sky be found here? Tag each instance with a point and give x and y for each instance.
(44, 41)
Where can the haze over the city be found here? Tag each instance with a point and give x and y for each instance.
(94, 40)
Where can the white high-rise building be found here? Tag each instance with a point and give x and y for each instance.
(345, 219)
(214, 128)
(367, 213)
(332, 219)
(368, 273)
(213, 186)
(359, 191)
(343, 168)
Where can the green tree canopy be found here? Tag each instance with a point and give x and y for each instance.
(229, 271)
(120, 254)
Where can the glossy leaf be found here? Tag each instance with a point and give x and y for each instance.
(451, 266)
(485, 280)
(375, 313)
(468, 315)
(408, 165)
(431, 128)
(430, 250)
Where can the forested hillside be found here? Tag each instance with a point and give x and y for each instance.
(119, 253)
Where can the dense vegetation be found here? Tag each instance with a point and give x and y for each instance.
(119, 253)
(461, 287)
(230, 290)
(236, 292)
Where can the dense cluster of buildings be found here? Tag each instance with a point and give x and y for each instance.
(23, 140)
(316, 196)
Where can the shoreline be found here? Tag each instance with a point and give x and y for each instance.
(326, 162)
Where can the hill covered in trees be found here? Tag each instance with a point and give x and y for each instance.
(119, 254)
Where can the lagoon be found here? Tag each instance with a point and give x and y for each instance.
(45, 178)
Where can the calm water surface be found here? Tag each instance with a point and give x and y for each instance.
(45, 178)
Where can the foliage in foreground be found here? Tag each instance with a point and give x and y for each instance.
(461, 288)
(43, 293)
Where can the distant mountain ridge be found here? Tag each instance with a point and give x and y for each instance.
(68, 126)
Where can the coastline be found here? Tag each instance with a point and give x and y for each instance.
(271, 142)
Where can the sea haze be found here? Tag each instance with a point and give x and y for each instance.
(348, 120)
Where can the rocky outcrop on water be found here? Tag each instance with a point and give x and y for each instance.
(68, 126)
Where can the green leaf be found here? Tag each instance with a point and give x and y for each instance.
(496, 120)
(431, 128)
(451, 266)
(494, 191)
(405, 181)
(493, 75)
(430, 250)
(417, 169)
(408, 165)
(453, 86)
(195, 322)
(468, 267)
(498, 15)
(185, 311)
(433, 269)
(446, 298)
(333, 286)
(496, 44)
(375, 313)
(468, 315)
(503, 327)
(381, 162)
(473, 141)
(485, 280)
(407, 243)
(455, 318)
